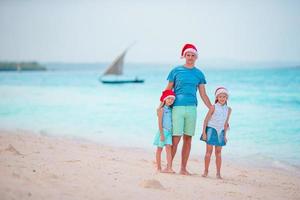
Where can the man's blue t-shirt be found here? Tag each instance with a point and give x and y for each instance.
(186, 81)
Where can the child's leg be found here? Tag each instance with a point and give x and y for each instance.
(158, 158)
(218, 151)
(169, 159)
(209, 149)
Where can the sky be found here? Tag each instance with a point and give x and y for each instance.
(97, 31)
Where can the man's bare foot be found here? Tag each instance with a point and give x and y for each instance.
(205, 173)
(167, 170)
(219, 176)
(185, 172)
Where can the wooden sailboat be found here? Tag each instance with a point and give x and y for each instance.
(113, 74)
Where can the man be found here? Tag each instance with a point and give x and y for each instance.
(185, 80)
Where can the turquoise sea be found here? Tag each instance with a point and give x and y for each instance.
(69, 100)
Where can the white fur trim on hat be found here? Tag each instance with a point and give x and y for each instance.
(189, 50)
(221, 90)
(169, 96)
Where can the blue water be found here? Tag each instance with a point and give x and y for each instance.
(69, 100)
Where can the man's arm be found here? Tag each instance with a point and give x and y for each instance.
(204, 96)
(170, 86)
(207, 118)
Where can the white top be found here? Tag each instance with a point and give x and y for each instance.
(219, 117)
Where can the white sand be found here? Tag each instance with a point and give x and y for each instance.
(42, 167)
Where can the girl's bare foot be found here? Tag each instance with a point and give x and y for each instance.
(185, 172)
(205, 174)
(219, 176)
(167, 170)
(158, 170)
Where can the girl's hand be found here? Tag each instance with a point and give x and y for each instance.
(162, 137)
(226, 127)
(204, 136)
(225, 139)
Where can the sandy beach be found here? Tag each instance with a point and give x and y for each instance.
(35, 166)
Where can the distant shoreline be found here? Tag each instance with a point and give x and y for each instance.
(21, 66)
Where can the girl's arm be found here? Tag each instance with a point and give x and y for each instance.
(159, 107)
(160, 127)
(207, 118)
(227, 120)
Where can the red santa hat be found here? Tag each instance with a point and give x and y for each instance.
(221, 90)
(188, 48)
(166, 94)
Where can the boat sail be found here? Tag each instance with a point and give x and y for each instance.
(113, 74)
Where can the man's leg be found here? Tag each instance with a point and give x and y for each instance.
(175, 142)
(178, 124)
(189, 131)
(185, 153)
